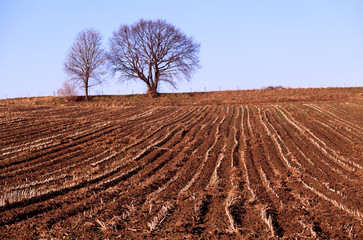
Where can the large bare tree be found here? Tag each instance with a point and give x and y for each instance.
(153, 52)
(85, 60)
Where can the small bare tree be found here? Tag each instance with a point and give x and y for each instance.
(68, 89)
(153, 52)
(85, 60)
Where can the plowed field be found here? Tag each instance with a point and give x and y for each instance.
(284, 170)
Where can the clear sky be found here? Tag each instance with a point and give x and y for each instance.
(244, 44)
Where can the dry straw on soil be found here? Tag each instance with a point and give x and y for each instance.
(265, 164)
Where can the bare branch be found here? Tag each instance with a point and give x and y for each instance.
(85, 60)
(68, 90)
(153, 52)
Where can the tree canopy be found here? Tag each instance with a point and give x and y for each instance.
(153, 52)
(85, 60)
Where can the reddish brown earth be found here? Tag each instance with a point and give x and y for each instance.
(290, 169)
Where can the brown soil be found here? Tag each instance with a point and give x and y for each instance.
(233, 168)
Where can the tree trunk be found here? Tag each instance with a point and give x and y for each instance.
(86, 88)
(152, 91)
(86, 93)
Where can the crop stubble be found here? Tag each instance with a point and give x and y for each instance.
(255, 171)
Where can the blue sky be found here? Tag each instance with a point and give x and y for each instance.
(244, 44)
